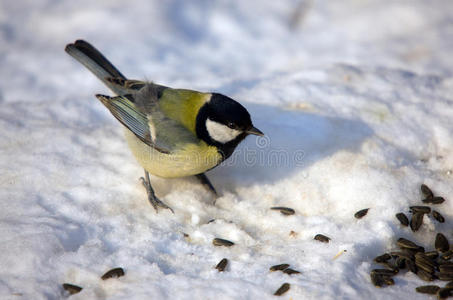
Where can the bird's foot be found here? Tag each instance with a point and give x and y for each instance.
(155, 202)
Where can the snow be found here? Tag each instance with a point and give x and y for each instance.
(355, 101)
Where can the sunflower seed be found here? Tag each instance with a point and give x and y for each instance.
(446, 268)
(116, 272)
(382, 258)
(384, 272)
(388, 280)
(445, 276)
(402, 218)
(432, 254)
(434, 200)
(427, 289)
(283, 289)
(425, 275)
(284, 210)
(444, 293)
(400, 263)
(402, 254)
(425, 267)
(406, 244)
(420, 209)
(71, 288)
(222, 265)
(447, 255)
(290, 271)
(441, 244)
(438, 216)
(426, 191)
(416, 221)
(411, 266)
(361, 213)
(322, 238)
(424, 258)
(377, 280)
(280, 267)
(222, 242)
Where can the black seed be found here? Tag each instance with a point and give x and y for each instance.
(280, 267)
(361, 213)
(444, 293)
(382, 258)
(425, 275)
(284, 210)
(71, 289)
(222, 265)
(322, 238)
(411, 266)
(441, 244)
(290, 271)
(420, 209)
(432, 254)
(438, 216)
(402, 218)
(416, 221)
(434, 200)
(426, 191)
(116, 272)
(283, 289)
(427, 289)
(222, 242)
(400, 263)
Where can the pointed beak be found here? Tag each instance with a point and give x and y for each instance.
(255, 131)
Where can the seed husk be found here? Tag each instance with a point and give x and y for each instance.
(434, 200)
(447, 255)
(290, 271)
(450, 284)
(71, 288)
(283, 289)
(427, 289)
(444, 293)
(113, 273)
(416, 221)
(222, 242)
(279, 267)
(284, 210)
(438, 216)
(441, 244)
(425, 275)
(426, 191)
(420, 209)
(361, 213)
(382, 258)
(322, 238)
(403, 219)
(222, 265)
(445, 276)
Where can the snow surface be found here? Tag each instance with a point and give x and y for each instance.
(355, 98)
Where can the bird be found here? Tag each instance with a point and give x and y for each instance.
(171, 132)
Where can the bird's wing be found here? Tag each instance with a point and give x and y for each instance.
(141, 114)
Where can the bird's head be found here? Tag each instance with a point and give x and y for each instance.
(224, 123)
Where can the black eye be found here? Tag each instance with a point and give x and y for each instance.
(231, 125)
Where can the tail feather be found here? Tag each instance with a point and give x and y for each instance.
(91, 58)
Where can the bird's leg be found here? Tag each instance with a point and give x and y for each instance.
(155, 202)
(205, 181)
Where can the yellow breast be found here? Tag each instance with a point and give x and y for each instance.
(191, 159)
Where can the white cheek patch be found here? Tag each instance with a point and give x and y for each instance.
(221, 133)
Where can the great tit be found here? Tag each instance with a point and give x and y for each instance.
(171, 132)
